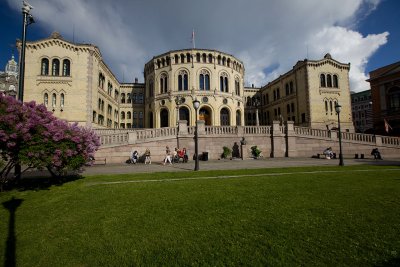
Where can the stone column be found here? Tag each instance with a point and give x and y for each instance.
(132, 137)
(278, 145)
(290, 140)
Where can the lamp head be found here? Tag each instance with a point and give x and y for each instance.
(196, 104)
(338, 108)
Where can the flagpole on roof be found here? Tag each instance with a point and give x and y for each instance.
(193, 40)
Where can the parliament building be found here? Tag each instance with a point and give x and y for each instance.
(74, 82)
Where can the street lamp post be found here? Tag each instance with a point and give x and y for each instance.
(26, 20)
(256, 103)
(338, 109)
(178, 101)
(196, 105)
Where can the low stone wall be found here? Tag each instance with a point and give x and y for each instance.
(274, 141)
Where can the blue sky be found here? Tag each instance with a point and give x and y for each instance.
(268, 36)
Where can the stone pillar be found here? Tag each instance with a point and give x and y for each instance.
(182, 126)
(132, 137)
(290, 140)
(278, 145)
(201, 127)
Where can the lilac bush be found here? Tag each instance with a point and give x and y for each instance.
(33, 137)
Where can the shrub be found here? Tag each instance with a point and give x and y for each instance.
(226, 153)
(255, 151)
(33, 137)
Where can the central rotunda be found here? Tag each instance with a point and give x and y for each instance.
(175, 79)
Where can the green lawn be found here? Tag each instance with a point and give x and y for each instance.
(340, 216)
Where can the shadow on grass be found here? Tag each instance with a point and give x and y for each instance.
(40, 182)
(389, 263)
(11, 205)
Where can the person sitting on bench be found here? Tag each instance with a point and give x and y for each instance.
(328, 153)
(375, 152)
(134, 157)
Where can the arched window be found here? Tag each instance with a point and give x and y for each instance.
(164, 83)
(198, 57)
(66, 67)
(62, 100)
(322, 80)
(176, 59)
(45, 67)
(204, 80)
(122, 98)
(46, 99)
(55, 67)
(326, 107)
(128, 98)
(330, 106)
(224, 117)
(128, 115)
(183, 81)
(54, 100)
(219, 60)
(228, 62)
(204, 56)
(335, 81)
(122, 115)
(287, 90)
(210, 58)
(223, 61)
(329, 80)
(182, 58)
(188, 57)
(237, 87)
(238, 118)
(223, 82)
(291, 87)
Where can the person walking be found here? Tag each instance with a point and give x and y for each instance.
(167, 156)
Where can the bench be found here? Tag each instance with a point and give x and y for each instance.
(102, 161)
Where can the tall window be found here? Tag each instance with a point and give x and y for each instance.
(122, 115)
(183, 81)
(53, 100)
(204, 80)
(55, 67)
(223, 82)
(237, 86)
(128, 98)
(322, 80)
(163, 83)
(46, 99)
(66, 67)
(335, 81)
(291, 87)
(128, 115)
(140, 98)
(45, 67)
(62, 100)
(122, 98)
(329, 80)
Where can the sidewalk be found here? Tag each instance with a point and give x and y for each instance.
(230, 165)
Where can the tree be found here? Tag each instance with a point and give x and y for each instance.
(33, 137)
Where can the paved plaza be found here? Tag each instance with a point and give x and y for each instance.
(234, 164)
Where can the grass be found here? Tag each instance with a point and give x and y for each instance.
(340, 216)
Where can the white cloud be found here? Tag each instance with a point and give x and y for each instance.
(259, 32)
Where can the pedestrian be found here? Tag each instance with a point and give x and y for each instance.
(147, 155)
(167, 155)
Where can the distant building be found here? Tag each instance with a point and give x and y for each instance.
(74, 82)
(385, 92)
(9, 78)
(361, 106)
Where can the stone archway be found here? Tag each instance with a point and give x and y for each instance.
(205, 115)
(184, 114)
(224, 117)
(238, 118)
(164, 118)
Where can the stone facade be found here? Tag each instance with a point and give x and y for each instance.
(74, 82)
(385, 91)
(307, 95)
(361, 105)
(9, 78)
(174, 79)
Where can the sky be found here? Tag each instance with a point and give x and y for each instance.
(269, 36)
